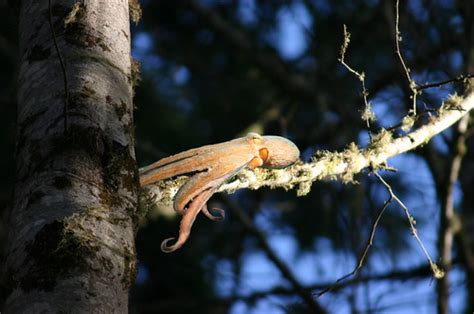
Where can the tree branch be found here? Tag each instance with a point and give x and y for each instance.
(447, 215)
(417, 273)
(272, 65)
(298, 288)
(327, 165)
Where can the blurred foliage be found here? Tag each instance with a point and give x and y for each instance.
(214, 70)
(221, 68)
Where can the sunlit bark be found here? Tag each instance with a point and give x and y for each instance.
(71, 233)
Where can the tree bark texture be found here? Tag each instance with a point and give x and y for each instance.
(71, 233)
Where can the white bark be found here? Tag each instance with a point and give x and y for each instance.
(71, 233)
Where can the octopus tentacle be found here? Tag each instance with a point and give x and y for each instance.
(190, 161)
(220, 213)
(200, 182)
(191, 189)
(180, 157)
(206, 185)
(187, 221)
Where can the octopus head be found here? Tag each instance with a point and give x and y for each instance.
(275, 151)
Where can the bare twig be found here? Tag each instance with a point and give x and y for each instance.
(365, 252)
(285, 271)
(410, 274)
(460, 78)
(174, 304)
(272, 65)
(368, 115)
(437, 272)
(398, 38)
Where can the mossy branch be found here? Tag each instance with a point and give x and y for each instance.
(327, 165)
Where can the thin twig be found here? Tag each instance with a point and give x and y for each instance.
(437, 272)
(251, 298)
(460, 78)
(271, 65)
(368, 114)
(416, 273)
(364, 253)
(398, 39)
(422, 113)
(285, 271)
(63, 69)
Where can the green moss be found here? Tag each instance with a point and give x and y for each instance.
(368, 114)
(129, 129)
(130, 269)
(76, 13)
(408, 122)
(118, 165)
(55, 253)
(135, 77)
(87, 92)
(120, 172)
(304, 188)
(79, 35)
(381, 139)
(115, 159)
(120, 108)
(80, 139)
(135, 11)
(78, 98)
(451, 103)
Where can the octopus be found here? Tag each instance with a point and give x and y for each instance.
(211, 166)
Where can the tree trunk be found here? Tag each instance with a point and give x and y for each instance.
(465, 238)
(71, 232)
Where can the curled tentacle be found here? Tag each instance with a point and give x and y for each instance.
(168, 248)
(220, 213)
(197, 204)
(207, 186)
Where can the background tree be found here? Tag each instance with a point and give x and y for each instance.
(215, 70)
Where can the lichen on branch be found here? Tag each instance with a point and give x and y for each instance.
(326, 165)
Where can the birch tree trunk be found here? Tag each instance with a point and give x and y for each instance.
(71, 233)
